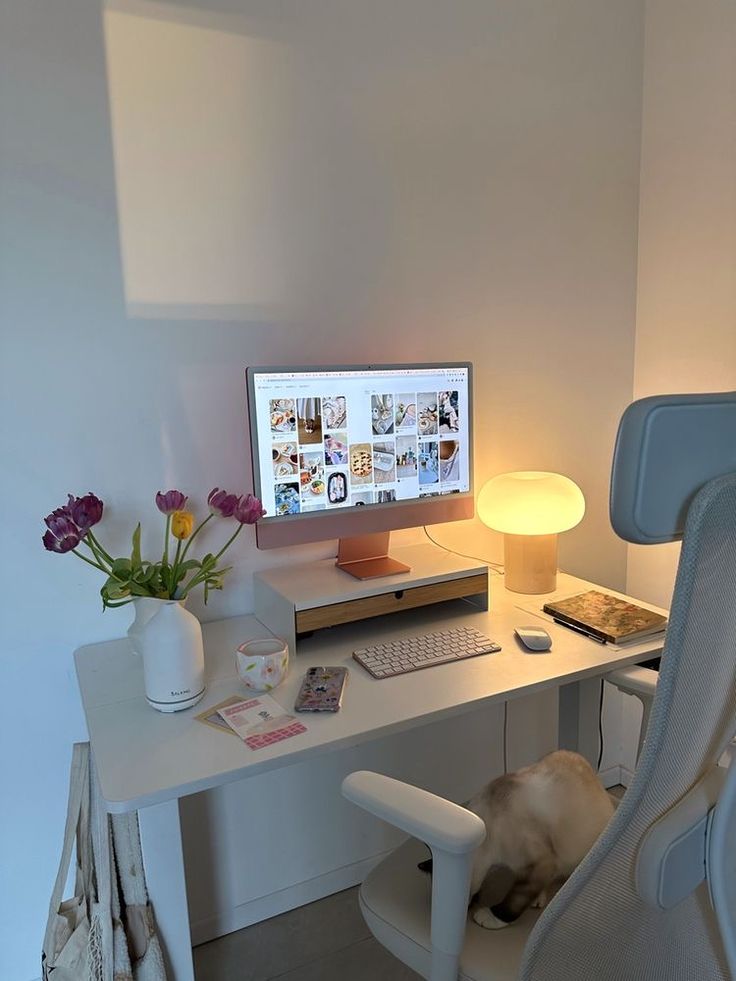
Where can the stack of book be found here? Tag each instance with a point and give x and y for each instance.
(605, 618)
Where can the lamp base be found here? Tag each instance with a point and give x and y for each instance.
(530, 563)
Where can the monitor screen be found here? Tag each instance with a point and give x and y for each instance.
(339, 442)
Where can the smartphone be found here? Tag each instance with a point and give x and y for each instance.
(321, 690)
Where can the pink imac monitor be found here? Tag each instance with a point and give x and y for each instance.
(355, 452)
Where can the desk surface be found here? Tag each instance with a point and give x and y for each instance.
(145, 757)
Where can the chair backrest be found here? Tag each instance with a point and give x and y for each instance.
(599, 926)
(667, 448)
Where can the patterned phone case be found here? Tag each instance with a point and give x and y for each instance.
(321, 690)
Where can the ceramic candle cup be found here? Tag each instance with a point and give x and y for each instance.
(262, 664)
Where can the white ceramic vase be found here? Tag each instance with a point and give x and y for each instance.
(144, 607)
(169, 639)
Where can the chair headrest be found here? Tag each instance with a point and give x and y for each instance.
(667, 447)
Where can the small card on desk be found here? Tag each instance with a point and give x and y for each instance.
(212, 717)
(260, 721)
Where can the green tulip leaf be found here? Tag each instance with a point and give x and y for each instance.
(138, 590)
(121, 568)
(115, 589)
(135, 555)
(187, 566)
(109, 601)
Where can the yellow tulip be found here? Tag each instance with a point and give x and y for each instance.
(182, 524)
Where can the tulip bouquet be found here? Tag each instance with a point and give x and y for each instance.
(70, 530)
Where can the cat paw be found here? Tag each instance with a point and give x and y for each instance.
(540, 902)
(483, 917)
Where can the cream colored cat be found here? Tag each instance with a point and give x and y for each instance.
(541, 821)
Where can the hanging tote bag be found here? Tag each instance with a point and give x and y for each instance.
(89, 937)
(108, 953)
(123, 942)
(65, 955)
(137, 914)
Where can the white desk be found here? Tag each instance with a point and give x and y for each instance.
(147, 760)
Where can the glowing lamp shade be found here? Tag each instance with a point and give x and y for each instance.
(530, 507)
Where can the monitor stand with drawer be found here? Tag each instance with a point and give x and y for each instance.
(295, 600)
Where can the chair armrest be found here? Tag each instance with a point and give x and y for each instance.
(642, 684)
(634, 680)
(432, 819)
(451, 832)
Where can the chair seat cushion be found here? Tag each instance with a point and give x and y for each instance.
(396, 902)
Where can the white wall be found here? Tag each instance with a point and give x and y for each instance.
(686, 315)
(462, 179)
(686, 305)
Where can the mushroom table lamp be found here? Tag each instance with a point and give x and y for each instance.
(530, 507)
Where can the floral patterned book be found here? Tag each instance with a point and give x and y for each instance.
(606, 617)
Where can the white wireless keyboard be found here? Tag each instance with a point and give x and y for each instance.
(414, 653)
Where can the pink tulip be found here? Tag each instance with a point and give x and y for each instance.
(170, 501)
(85, 511)
(63, 535)
(222, 503)
(249, 509)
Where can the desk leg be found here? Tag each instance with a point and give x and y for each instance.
(163, 861)
(578, 719)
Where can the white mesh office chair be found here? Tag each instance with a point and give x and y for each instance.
(655, 899)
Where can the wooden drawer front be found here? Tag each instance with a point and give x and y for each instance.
(376, 606)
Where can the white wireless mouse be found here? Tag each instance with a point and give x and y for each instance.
(534, 638)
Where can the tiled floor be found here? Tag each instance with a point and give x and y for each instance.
(324, 941)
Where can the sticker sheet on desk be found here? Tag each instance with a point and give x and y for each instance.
(261, 722)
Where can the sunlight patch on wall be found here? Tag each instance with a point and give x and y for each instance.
(200, 117)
